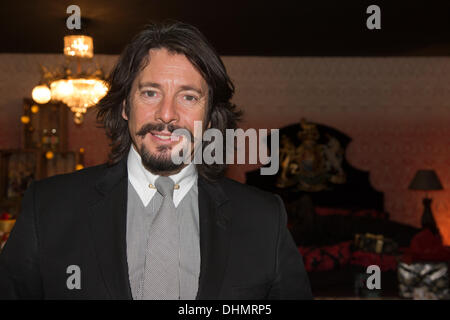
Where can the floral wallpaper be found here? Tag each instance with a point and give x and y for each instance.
(396, 110)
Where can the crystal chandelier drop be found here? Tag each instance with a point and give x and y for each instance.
(80, 91)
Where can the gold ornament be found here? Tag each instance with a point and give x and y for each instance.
(34, 108)
(25, 119)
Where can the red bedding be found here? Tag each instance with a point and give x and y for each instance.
(340, 255)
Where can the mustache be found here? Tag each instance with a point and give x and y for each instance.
(149, 127)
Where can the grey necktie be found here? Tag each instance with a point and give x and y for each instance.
(161, 278)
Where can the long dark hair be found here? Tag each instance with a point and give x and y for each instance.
(179, 38)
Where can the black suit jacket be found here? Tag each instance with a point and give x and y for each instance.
(79, 219)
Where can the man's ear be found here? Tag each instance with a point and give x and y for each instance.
(124, 114)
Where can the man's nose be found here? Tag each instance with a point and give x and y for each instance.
(167, 111)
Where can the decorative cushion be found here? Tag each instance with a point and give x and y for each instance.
(327, 257)
(384, 261)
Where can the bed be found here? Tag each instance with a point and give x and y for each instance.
(335, 216)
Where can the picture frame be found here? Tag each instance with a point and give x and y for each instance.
(18, 168)
(44, 126)
(60, 163)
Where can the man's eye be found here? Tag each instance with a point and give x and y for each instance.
(150, 94)
(190, 98)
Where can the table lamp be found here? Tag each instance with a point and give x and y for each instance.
(427, 180)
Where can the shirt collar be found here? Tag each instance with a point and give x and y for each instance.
(140, 178)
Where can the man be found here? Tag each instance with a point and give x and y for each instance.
(142, 226)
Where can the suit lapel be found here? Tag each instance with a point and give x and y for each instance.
(108, 214)
(214, 239)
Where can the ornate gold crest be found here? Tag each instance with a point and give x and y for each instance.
(310, 165)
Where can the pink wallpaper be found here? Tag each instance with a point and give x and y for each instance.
(397, 110)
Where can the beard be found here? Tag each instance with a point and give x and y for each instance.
(160, 163)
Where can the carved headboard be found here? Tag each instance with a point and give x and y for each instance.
(312, 162)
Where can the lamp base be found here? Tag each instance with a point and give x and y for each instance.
(428, 218)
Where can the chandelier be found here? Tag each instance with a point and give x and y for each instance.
(78, 91)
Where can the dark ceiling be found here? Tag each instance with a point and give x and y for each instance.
(262, 28)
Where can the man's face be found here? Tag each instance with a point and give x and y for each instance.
(168, 94)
